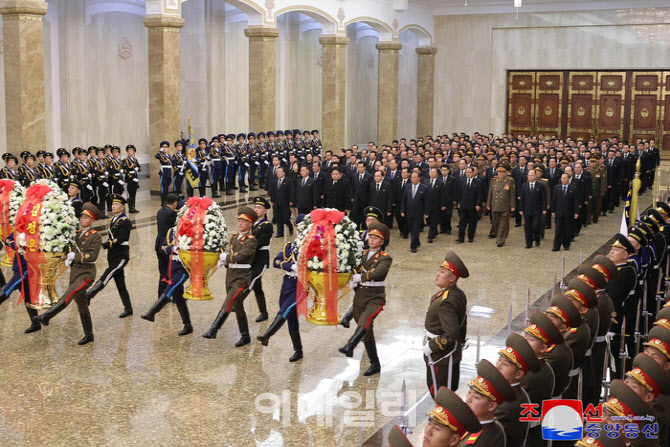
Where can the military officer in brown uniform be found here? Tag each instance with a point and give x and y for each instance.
(445, 326)
(515, 360)
(501, 202)
(370, 294)
(82, 272)
(625, 404)
(237, 261)
(564, 315)
(486, 392)
(450, 421)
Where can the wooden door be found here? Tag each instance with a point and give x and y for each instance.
(664, 140)
(520, 102)
(610, 105)
(548, 116)
(645, 116)
(582, 90)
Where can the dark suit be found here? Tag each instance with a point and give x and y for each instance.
(398, 193)
(118, 255)
(435, 203)
(361, 188)
(166, 218)
(520, 176)
(614, 174)
(564, 206)
(468, 198)
(584, 188)
(306, 195)
(319, 183)
(282, 196)
(448, 191)
(337, 195)
(532, 203)
(414, 208)
(383, 200)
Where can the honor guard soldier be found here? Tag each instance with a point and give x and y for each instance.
(132, 168)
(655, 268)
(80, 172)
(237, 261)
(372, 215)
(19, 281)
(515, 361)
(46, 170)
(445, 326)
(486, 393)
(62, 170)
(39, 160)
(179, 167)
(202, 161)
(290, 143)
(254, 160)
(622, 292)
(450, 421)
(397, 438)
(231, 165)
(316, 143)
(370, 295)
(82, 272)
(174, 281)
(262, 230)
(116, 176)
(8, 171)
(165, 172)
(501, 202)
(298, 147)
(273, 147)
(217, 166)
(100, 179)
(91, 165)
(625, 405)
(263, 159)
(117, 255)
(282, 146)
(242, 160)
(73, 191)
(27, 173)
(287, 261)
(565, 316)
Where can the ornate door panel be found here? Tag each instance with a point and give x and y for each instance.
(520, 103)
(645, 117)
(610, 105)
(549, 103)
(664, 141)
(581, 100)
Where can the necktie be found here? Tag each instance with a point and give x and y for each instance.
(377, 188)
(413, 191)
(278, 183)
(316, 176)
(274, 171)
(432, 183)
(335, 182)
(469, 180)
(403, 184)
(565, 190)
(303, 182)
(361, 177)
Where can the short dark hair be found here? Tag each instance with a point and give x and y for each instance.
(336, 168)
(172, 197)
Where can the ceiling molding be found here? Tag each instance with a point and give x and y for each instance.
(457, 7)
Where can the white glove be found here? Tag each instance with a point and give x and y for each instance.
(68, 263)
(352, 285)
(222, 260)
(105, 184)
(136, 180)
(257, 163)
(70, 256)
(356, 278)
(426, 349)
(246, 164)
(89, 187)
(294, 268)
(121, 182)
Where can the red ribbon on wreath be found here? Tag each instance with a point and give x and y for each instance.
(6, 187)
(192, 225)
(28, 222)
(320, 242)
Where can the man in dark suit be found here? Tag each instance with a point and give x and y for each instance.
(306, 195)
(393, 171)
(469, 198)
(282, 197)
(413, 207)
(553, 173)
(614, 174)
(532, 205)
(337, 191)
(381, 197)
(448, 190)
(319, 177)
(361, 186)
(165, 219)
(271, 179)
(565, 210)
(399, 184)
(520, 175)
(582, 181)
(435, 201)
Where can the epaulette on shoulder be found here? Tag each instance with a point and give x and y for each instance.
(94, 231)
(383, 253)
(251, 236)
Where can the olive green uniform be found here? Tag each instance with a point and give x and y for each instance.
(370, 293)
(501, 199)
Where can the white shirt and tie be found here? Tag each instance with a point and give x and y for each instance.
(414, 188)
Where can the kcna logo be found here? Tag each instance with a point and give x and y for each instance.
(562, 420)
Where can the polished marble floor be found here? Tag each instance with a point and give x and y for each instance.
(139, 384)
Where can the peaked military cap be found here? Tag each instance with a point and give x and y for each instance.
(519, 352)
(261, 134)
(379, 230)
(542, 328)
(454, 264)
(582, 292)
(74, 182)
(91, 211)
(450, 411)
(622, 241)
(663, 207)
(373, 211)
(202, 140)
(602, 440)
(649, 374)
(62, 152)
(262, 202)
(118, 198)
(246, 213)
(639, 235)
(491, 383)
(606, 267)
(592, 277)
(625, 402)
(398, 439)
(131, 146)
(241, 135)
(167, 143)
(251, 135)
(659, 338)
(563, 308)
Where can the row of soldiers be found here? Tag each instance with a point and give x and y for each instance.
(572, 350)
(99, 172)
(226, 159)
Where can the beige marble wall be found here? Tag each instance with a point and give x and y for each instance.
(476, 51)
(310, 80)
(262, 77)
(164, 83)
(288, 71)
(236, 65)
(425, 90)
(333, 97)
(24, 74)
(408, 70)
(361, 87)
(387, 92)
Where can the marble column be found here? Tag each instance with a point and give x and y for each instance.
(333, 68)
(262, 77)
(425, 91)
(164, 85)
(387, 92)
(24, 74)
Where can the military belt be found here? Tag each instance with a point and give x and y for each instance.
(373, 283)
(265, 247)
(600, 339)
(240, 266)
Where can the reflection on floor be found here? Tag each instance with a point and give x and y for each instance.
(140, 384)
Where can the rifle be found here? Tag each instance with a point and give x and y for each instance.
(622, 348)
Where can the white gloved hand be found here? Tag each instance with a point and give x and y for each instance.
(294, 268)
(68, 263)
(246, 164)
(136, 180)
(89, 187)
(426, 349)
(105, 184)
(70, 256)
(352, 285)
(257, 163)
(121, 182)
(356, 278)
(223, 257)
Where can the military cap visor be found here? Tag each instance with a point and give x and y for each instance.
(519, 352)
(75, 183)
(379, 230)
(246, 213)
(91, 211)
(454, 264)
(542, 328)
(606, 267)
(592, 277)
(582, 292)
(118, 198)
(664, 208)
(450, 411)
(262, 202)
(372, 211)
(491, 383)
(622, 241)
(562, 308)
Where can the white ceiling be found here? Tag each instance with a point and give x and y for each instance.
(449, 7)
